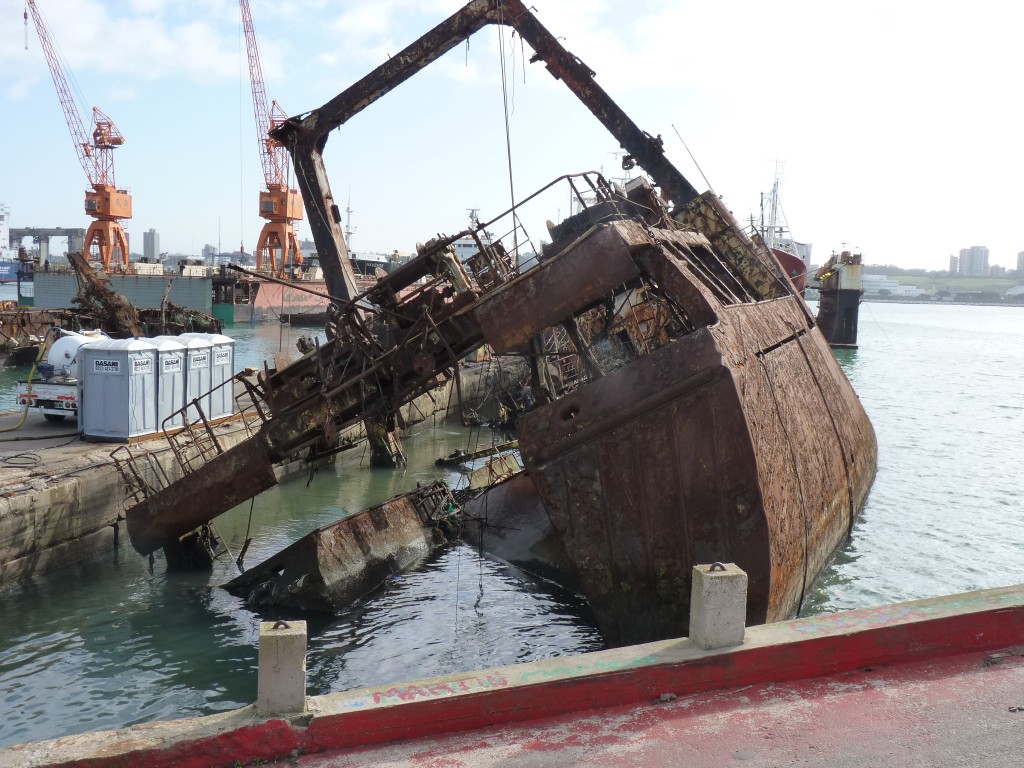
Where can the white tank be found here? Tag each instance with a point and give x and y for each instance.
(64, 351)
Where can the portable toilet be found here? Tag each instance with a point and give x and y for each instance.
(117, 386)
(198, 365)
(222, 372)
(170, 394)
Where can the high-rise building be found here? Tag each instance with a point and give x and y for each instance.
(954, 265)
(151, 245)
(974, 261)
(1020, 262)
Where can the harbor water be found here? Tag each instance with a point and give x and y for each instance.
(119, 640)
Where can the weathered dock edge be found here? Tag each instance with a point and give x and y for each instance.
(632, 675)
(70, 508)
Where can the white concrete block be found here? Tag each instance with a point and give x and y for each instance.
(282, 681)
(718, 605)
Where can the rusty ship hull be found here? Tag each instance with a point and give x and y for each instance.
(682, 407)
(717, 458)
(740, 440)
(337, 564)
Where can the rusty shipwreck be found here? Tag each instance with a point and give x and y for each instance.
(683, 406)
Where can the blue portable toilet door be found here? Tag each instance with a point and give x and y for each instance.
(171, 389)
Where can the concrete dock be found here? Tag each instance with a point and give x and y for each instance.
(927, 683)
(61, 497)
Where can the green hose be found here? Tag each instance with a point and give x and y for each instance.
(28, 400)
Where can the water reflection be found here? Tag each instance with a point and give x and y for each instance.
(118, 641)
(457, 612)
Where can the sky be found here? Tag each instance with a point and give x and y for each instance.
(892, 126)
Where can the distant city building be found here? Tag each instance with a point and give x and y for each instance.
(209, 253)
(151, 245)
(974, 261)
(997, 271)
(954, 265)
(1020, 262)
(883, 285)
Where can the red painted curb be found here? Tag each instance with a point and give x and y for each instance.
(807, 649)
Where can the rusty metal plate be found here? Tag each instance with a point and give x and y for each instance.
(224, 482)
(588, 269)
(332, 566)
(637, 505)
(605, 404)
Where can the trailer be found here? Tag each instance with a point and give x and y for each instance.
(52, 387)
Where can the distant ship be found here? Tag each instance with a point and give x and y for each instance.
(793, 257)
(300, 300)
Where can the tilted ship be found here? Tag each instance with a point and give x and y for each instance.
(682, 408)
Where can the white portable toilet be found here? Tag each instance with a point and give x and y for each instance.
(170, 394)
(117, 385)
(222, 371)
(198, 365)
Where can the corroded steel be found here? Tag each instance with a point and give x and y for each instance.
(680, 418)
(340, 562)
(682, 407)
(591, 268)
(224, 482)
(306, 135)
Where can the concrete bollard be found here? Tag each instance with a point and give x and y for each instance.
(718, 605)
(281, 687)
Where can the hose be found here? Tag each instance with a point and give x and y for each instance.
(28, 400)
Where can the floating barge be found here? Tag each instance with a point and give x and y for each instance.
(683, 406)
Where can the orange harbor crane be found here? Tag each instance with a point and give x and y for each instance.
(279, 204)
(105, 203)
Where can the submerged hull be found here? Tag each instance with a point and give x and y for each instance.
(740, 441)
(762, 458)
(339, 563)
(683, 408)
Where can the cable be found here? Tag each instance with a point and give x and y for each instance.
(23, 438)
(692, 157)
(508, 137)
(31, 373)
(22, 460)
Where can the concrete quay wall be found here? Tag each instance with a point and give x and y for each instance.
(70, 506)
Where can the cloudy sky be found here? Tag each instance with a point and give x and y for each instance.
(895, 125)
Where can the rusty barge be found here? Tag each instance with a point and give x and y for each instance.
(683, 405)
